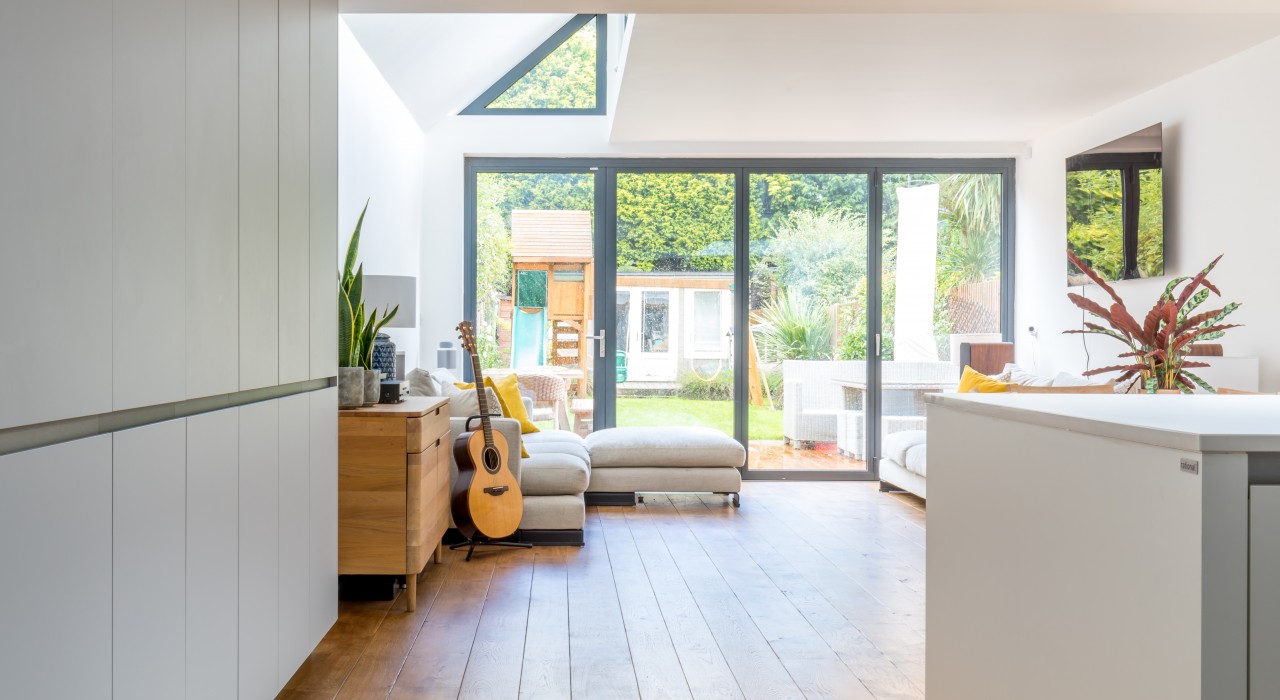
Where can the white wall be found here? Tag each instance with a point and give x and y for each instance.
(380, 155)
(1221, 146)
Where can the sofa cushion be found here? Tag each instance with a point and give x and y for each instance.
(897, 444)
(552, 474)
(914, 461)
(548, 436)
(553, 513)
(561, 448)
(663, 447)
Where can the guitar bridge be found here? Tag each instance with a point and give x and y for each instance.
(496, 490)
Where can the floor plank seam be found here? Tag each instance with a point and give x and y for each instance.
(736, 536)
(701, 614)
(755, 624)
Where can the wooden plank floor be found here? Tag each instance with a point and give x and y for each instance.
(809, 590)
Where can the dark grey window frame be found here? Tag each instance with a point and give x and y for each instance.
(605, 171)
(480, 106)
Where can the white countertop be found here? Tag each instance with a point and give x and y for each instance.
(1196, 423)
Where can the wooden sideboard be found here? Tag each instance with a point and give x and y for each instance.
(393, 488)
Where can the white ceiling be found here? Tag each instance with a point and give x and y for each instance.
(837, 78)
(903, 77)
(439, 63)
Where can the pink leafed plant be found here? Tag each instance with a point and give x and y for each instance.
(1160, 345)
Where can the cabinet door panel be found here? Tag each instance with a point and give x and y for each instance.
(149, 548)
(323, 163)
(55, 542)
(324, 512)
(295, 544)
(295, 196)
(259, 549)
(213, 465)
(55, 192)
(213, 207)
(148, 202)
(259, 193)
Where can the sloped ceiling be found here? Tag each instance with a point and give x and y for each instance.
(439, 63)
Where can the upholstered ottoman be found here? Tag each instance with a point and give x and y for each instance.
(627, 460)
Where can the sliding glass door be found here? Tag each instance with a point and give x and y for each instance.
(534, 287)
(672, 272)
(941, 254)
(805, 308)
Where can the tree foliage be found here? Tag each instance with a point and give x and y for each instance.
(565, 79)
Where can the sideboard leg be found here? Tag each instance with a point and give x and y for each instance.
(411, 590)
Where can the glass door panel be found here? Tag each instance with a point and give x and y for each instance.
(535, 277)
(674, 237)
(940, 285)
(807, 356)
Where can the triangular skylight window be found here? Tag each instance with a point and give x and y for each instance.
(565, 75)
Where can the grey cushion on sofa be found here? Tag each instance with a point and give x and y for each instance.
(663, 447)
(553, 513)
(908, 449)
(552, 474)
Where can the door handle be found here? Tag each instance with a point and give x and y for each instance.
(599, 338)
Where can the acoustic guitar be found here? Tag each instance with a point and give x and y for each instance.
(487, 503)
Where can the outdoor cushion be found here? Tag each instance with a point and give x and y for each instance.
(897, 444)
(663, 447)
(550, 474)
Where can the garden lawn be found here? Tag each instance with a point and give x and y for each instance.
(763, 422)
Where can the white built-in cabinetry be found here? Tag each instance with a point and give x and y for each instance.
(170, 181)
(192, 558)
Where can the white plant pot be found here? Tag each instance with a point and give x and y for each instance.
(350, 387)
(372, 386)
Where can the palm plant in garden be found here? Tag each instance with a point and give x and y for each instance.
(1160, 345)
(792, 327)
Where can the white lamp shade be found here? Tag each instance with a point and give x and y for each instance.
(389, 291)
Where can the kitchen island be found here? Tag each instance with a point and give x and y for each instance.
(1103, 546)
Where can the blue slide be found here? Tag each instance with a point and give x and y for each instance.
(529, 337)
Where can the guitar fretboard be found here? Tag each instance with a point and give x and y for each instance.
(482, 399)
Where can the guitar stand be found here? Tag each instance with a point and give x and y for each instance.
(470, 544)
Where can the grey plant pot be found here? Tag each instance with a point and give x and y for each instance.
(372, 387)
(350, 387)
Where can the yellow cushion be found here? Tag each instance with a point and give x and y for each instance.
(508, 391)
(974, 381)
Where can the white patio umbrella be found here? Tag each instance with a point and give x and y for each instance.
(917, 279)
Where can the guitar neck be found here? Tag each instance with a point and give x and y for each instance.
(482, 399)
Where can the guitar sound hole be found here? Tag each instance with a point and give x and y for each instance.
(492, 462)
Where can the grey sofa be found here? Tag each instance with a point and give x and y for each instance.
(552, 478)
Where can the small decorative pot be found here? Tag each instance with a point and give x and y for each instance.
(372, 387)
(384, 355)
(1169, 391)
(350, 387)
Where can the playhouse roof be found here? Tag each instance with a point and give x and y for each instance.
(551, 236)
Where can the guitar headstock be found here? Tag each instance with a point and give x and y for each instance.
(468, 337)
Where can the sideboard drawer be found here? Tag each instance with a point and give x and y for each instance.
(423, 430)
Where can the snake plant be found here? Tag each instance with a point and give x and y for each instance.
(356, 332)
